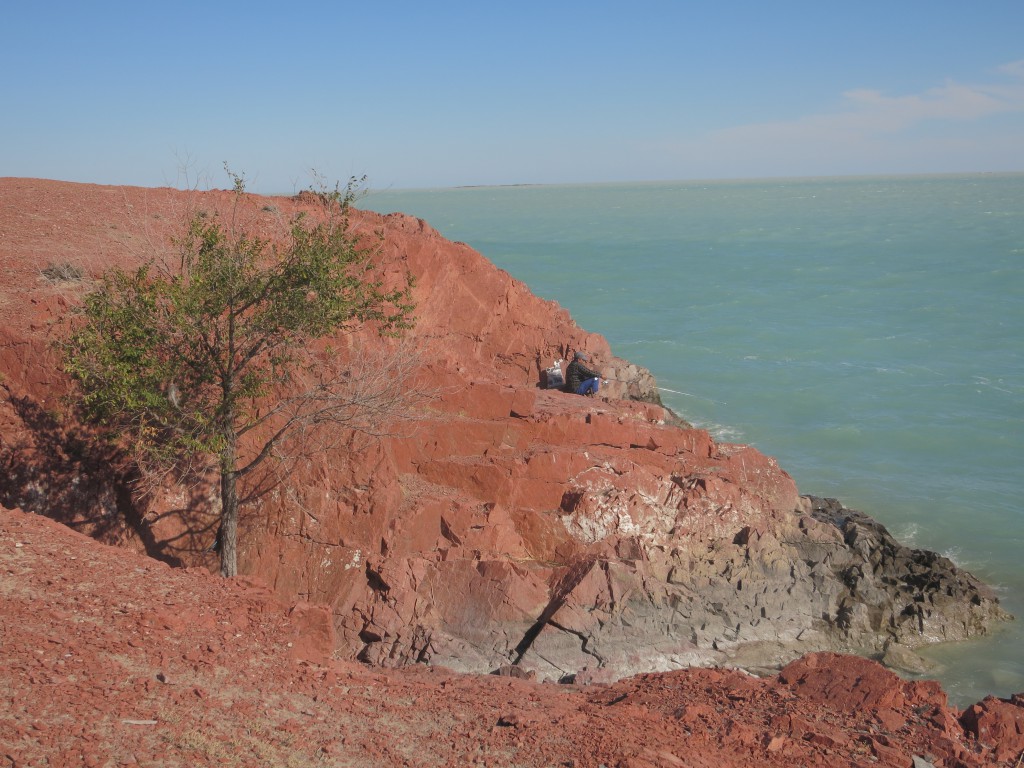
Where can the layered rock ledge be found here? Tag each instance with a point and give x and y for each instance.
(506, 526)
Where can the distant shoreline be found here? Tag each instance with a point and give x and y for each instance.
(486, 186)
(728, 180)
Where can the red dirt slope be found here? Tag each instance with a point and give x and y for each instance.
(114, 659)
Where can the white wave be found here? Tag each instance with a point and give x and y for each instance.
(984, 381)
(956, 555)
(722, 433)
(665, 342)
(698, 397)
(907, 534)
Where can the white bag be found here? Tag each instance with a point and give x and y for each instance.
(553, 376)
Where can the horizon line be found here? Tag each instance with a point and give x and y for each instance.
(696, 180)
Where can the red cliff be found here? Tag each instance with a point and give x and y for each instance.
(502, 526)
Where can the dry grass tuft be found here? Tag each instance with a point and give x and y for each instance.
(63, 272)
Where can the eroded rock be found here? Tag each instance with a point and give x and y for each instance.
(506, 524)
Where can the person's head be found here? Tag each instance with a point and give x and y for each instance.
(582, 357)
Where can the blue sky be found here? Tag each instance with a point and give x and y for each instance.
(419, 94)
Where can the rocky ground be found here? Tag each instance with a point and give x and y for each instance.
(112, 659)
(503, 528)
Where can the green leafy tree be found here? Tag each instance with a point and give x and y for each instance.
(213, 364)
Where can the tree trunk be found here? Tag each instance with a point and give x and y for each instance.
(228, 513)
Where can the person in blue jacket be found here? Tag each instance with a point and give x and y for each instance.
(579, 378)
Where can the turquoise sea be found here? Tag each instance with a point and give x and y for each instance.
(867, 332)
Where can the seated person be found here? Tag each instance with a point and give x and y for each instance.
(579, 378)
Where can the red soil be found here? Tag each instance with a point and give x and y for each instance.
(114, 659)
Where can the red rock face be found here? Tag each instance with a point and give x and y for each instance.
(997, 723)
(502, 524)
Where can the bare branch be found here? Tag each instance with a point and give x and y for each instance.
(370, 390)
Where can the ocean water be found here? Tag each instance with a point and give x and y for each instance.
(867, 332)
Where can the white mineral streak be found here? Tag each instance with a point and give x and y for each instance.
(607, 510)
(354, 562)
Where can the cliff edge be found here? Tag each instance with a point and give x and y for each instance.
(504, 526)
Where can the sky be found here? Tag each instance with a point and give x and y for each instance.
(438, 94)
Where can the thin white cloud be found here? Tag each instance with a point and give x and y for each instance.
(950, 102)
(1013, 68)
(865, 112)
(871, 131)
